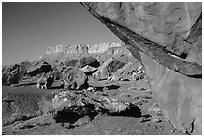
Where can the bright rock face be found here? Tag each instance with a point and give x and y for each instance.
(167, 24)
(168, 37)
(179, 96)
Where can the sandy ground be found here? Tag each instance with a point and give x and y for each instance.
(128, 123)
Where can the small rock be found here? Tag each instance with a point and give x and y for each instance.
(88, 69)
(147, 125)
(143, 119)
(156, 119)
(67, 125)
(161, 127)
(90, 89)
(173, 130)
(119, 129)
(82, 121)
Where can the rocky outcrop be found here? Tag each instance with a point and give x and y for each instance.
(14, 74)
(118, 63)
(44, 69)
(168, 38)
(85, 103)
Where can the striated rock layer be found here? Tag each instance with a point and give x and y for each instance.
(168, 38)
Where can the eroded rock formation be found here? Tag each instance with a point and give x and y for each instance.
(13, 74)
(84, 103)
(166, 39)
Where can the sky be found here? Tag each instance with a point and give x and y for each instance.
(28, 29)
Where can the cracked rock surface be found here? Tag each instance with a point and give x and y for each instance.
(167, 37)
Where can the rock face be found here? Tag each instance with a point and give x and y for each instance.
(167, 24)
(166, 39)
(179, 96)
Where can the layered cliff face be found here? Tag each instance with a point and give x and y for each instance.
(168, 38)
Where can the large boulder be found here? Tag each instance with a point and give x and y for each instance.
(71, 63)
(14, 74)
(166, 39)
(84, 103)
(114, 65)
(5, 74)
(74, 78)
(39, 67)
(89, 61)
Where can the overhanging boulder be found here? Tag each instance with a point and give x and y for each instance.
(166, 38)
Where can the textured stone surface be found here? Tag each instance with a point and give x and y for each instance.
(179, 96)
(161, 31)
(84, 103)
(74, 78)
(39, 67)
(102, 47)
(116, 62)
(13, 74)
(184, 61)
(167, 24)
(89, 61)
